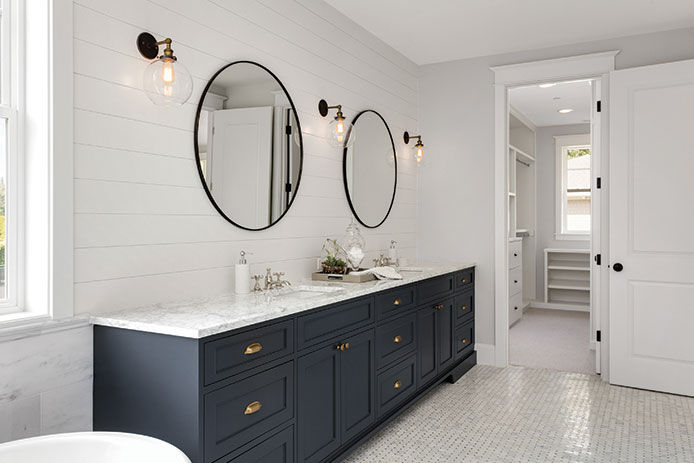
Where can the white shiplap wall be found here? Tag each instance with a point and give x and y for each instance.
(144, 230)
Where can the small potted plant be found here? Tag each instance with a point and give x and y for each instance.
(332, 263)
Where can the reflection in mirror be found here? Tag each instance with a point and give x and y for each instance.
(370, 170)
(248, 145)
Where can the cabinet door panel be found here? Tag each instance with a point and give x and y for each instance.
(318, 410)
(357, 385)
(278, 448)
(445, 335)
(426, 341)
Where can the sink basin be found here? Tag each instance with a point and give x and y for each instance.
(309, 291)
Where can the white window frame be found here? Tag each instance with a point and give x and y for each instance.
(12, 110)
(562, 142)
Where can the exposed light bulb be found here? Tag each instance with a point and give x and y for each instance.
(420, 154)
(340, 126)
(167, 72)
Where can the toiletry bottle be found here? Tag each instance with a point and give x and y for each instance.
(242, 272)
(393, 253)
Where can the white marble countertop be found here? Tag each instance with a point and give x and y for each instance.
(198, 318)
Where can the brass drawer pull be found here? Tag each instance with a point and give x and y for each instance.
(397, 385)
(463, 308)
(439, 306)
(253, 348)
(397, 339)
(464, 280)
(397, 301)
(252, 408)
(464, 340)
(342, 347)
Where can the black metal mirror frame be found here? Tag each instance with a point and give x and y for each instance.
(344, 170)
(197, 150)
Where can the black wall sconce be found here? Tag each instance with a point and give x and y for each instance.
(418, 147)
(337, 131)
(166, 81)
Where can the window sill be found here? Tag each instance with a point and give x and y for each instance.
(25, 324)
(571, 237)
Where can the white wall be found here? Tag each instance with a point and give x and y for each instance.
(545, 165)
(144, 229)
(456, 202)
(45, 382)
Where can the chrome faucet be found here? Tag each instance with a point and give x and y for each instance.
(270, 283)
(382, 261)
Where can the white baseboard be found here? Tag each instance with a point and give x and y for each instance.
(551, 305)
(485, 354)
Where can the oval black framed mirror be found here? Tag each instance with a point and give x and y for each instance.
(248, 145)
(370, 169)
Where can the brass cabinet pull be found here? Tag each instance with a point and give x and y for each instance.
(438, 307)
(464, 280)
(342, 347)
(464, 340)
(397, 301)
(463, 308)
(253, 348)
(397, 385)
(346, 345)
(397, 339)
(252, 408)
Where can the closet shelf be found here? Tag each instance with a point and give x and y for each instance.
(569, 265)
(521, 155)
(579, 285)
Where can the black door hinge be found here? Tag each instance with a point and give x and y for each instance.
(598, 184)
(598, 259)
(288, 187)
(598, 336)
(599, 106)
(288, 130)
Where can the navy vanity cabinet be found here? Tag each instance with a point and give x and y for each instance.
(435, 339)
(336, 394)
(304, 388)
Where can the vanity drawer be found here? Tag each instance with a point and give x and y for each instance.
(395, 385)
(464, 306)
(439, 287)
(230, 355)
(464, 278)
(395, 340)
(395, 302)
(515, 253)
(515, 280)
(327, 323)
(278, 448)
(464, 339)
(242, 411)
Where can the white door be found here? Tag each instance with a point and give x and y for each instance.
(239, 163)
(651, 227)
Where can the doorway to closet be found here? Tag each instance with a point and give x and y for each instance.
(550, 189)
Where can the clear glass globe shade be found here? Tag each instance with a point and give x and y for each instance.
(167, 82)
(341, 135)
(419, 156)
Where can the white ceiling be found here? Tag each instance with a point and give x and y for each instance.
(430, 31)
(542, 105)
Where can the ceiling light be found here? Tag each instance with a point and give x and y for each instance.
(546, 85)
(565, 111)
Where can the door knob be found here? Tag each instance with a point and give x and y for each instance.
(618, 267)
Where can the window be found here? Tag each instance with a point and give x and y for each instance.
(10, 100)
(573, 187)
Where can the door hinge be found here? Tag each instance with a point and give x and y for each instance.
(598, 183)
(598, 259)
(288, 130)
(599, 108)
(288, 187)
(598, 336)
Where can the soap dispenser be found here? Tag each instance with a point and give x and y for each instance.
(393, 253)
(242, 273)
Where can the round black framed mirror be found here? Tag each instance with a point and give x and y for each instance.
(370, 169)
(248, 145)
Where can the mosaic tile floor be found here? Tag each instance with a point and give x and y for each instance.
(523, 415)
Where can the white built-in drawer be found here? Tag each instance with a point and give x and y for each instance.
(515, 280)
(515, 308)
(515, 253)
